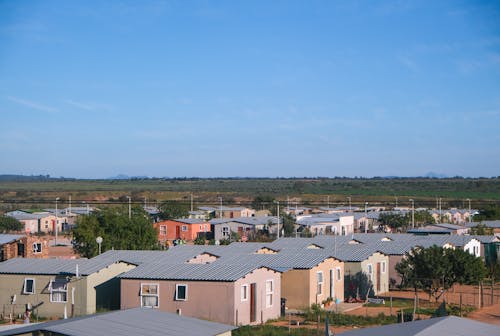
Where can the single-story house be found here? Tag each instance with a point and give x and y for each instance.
(13, 246)
(185, 228)
(60, 287)
(226, 293)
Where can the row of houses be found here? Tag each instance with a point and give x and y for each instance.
(238, 284)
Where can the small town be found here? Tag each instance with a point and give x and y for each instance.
(278, 264)
(249, 168)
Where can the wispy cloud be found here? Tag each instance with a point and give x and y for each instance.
(89, 106)
(79, 105)
(32, 104)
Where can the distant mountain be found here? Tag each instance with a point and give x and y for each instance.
(126, 177)
(435, 175)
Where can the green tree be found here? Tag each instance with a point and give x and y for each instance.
(174, 210)
(394, 221)
(422, 217)
(436, 269)
(263, 202)
(117, 230)
(8, 224)
(288, 224)
(481, 230)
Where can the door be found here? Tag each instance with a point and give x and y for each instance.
(378, 277)
(177, 232)
(332, 278)
(253, 302)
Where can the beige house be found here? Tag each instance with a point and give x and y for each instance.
(373, 264)
(55, 288)
(38, 221)
(301, 287)
(236, 294)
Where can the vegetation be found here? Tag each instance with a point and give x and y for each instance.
(436, 269)
(481, 230)
(399, 222)
(270, 330)
(173, 210)
(490, 212)
(9, 224)
(117, 230)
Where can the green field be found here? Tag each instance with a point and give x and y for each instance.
(304, 191)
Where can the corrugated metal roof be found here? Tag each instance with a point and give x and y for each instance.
(137, 321)
(53, 266)
(440, 326)
(8, 238)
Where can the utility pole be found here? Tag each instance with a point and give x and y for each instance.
(278, 216)
(220, 211)
(129, 207)
(412, 213)
(55, 244)
(191, 202)
(366, 217)
(470, 213)
(349, 198)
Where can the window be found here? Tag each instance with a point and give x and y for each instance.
(370, 271)
(184, 228)
(269, 293)
(244, 292)
(149, 295)
(37, 247)
(58, 291)
(29, 286)
(225, 231)
(339, 274)
(383, 266)
(319, 276)
(163, 230)
(181, 292)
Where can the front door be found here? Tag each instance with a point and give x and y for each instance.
(378, 277)
(253, 302)
(332, 289)
(177, 232)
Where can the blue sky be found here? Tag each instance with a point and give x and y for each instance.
(249, 88)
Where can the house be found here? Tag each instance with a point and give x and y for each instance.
(338, 223)
(13, 246)
(60, 287)
(186, 229)
(233, 212)
(243, 226)
(38, 221)
(365, 260)
(137, 321)
(226, 293)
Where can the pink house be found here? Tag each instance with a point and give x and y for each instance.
(233, 294)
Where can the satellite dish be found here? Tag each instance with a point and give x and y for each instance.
(98, 240)
(217, 242)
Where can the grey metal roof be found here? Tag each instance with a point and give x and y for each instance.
(137, 321)
(196, 272)
(259, 220)
(8, 238)
(440, 326)
(53, 266)
(491, 224)
(190, 221)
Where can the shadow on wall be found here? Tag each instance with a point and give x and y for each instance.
(358, 286)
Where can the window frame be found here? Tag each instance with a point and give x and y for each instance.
(32, 286)
(338, 273)
(157, 294)
(319, 284)
(369, 268)
(35, 248)
(244, 292)
(64, 290)
(184, 228)
(163, 230)
(383, 267)
(269, 293)
(177, 298)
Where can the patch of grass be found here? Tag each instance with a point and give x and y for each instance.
(270, 330)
